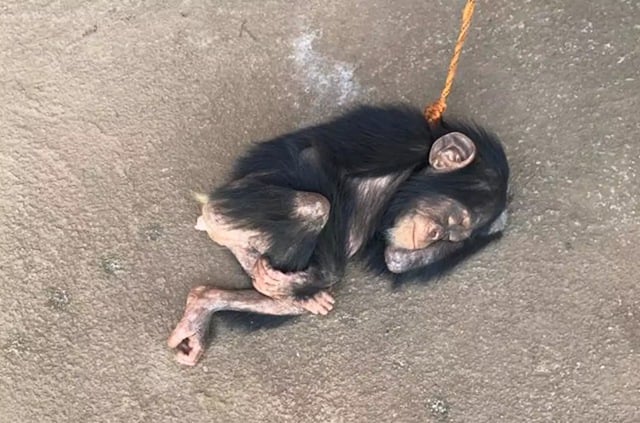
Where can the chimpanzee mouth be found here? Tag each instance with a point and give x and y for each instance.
(399, 259)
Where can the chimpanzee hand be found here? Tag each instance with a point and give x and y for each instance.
(276, 284)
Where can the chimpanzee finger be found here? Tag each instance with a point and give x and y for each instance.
(327, 297)
(312, 306)
(324, 303)
(189, 351)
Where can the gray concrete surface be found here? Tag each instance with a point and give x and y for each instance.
(110, 112)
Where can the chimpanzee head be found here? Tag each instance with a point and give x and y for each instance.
(459, 195)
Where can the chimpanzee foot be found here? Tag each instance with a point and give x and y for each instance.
(188, 336)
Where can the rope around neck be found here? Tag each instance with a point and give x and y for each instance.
(434, 112)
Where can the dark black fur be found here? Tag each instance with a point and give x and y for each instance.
(332, 159)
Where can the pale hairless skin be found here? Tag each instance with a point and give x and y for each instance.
(272, 287)
(188, 336)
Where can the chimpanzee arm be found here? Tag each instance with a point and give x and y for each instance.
(325, 268)
(275, 283)
(400, 260)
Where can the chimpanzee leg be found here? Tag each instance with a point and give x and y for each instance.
(280, 229)
(188, 336)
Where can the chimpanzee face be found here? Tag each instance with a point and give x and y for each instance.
(434, 219)
(450, 201)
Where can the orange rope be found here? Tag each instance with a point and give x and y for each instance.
(434, 112)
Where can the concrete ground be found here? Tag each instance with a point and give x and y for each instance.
(110, 112)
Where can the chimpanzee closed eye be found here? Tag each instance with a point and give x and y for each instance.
(434, 219)
(377, 183)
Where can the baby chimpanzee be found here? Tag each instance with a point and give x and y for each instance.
(377, 183)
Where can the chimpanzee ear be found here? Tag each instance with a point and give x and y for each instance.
(452, 151)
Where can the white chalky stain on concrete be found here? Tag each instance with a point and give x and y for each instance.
(328, 79)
